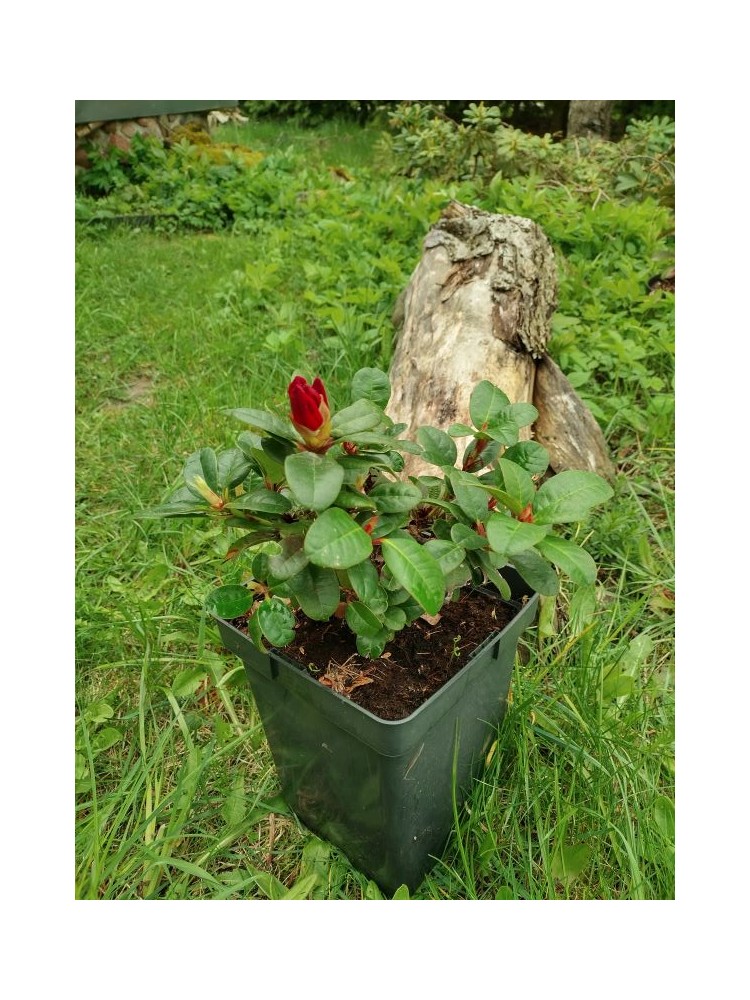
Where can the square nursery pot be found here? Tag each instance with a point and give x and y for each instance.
(382, 791)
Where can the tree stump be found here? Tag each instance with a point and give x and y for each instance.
(478, 306)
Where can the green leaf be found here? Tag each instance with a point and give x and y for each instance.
(415, 570)
(202, 464)
(178, 508)
(372, 646)
(260, 420)
(448, 554)
(317, 592)
(360, 416)
(249, 539)
(437, 447)
(504, 430)
(530, 455)
(568, 862)
(256, 633)
(302, 887)
(523, 414)
(276, 621)
(469, 496)
(365, 581)
(315, 480)
(485, 403)
(187, 682)
(460, 430)
(262, 501)
(664, 817)
(517, 482)
(233, 467)
(229, 602)
(402, 892)
(291, 560)
(508, 537)
(106, 738)
(349, 499)
(371, 384)
(372, 891)
(570, 558)
(468, 539)
(395, 498)
(394, 619)
(536, 571)
(569, 496)
(362, 621)
(336, 540)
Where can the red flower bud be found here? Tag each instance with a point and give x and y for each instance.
(526, 515)
(310, 413)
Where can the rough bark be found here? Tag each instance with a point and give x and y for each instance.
(565, 427)
(478, 306)
(590, 119)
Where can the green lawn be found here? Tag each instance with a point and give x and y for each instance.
(176, 795)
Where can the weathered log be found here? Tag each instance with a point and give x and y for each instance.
(478, 306)
(565, 426)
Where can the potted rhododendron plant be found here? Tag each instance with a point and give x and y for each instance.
(378, 616)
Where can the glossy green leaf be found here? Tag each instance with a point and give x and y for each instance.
(202, 465)
(369, 441)
(276, 621)
(416, 570)
(363, 415)
(256, 633)
(372, 646)
(485, 403)
(530, 455)
(233, 467)
(250, 539)
(394, 619)
(315, 480)
(317, 592)
(508, 537)
(261, 501)
(469, 496)
(504, 430)
(569, 496)
(524, 414)
(365, 581)
(517, 482)
(291, 560)
(466, 537)
(350, 499)
(402, 892)
(371, 384)
(574, 561)
(229, 601)
(536, 571)
(448, 554)
(180, 508)
(437, 446)
(362, 621)
(336, 540)
(460, 430)
(395, 498)
(260, 420)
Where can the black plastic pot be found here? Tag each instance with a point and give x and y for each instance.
(382, 791)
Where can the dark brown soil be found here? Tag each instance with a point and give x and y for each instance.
(418, 661)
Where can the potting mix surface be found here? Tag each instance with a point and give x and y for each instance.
(418, 661)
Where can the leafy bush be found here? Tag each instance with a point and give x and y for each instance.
(425, 142)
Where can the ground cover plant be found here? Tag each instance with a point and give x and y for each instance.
(194, 306)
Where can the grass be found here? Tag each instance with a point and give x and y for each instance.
(176, 792)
